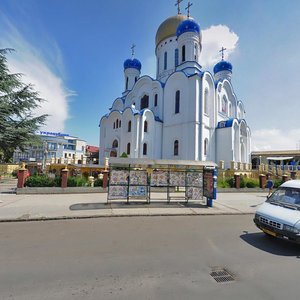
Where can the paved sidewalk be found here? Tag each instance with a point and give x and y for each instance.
(63, 206)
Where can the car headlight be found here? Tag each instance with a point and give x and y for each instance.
(291, 229)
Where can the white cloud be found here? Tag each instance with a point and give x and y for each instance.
(213, 39)
(37, 70)
(275, 139)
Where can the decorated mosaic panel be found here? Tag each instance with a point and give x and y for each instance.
(119, 177)
(194, 193)
(159, 178)
(194, 179)
(118, 191)
(138, 191)
(177, 179)
(138, 177)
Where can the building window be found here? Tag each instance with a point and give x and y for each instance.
(114, 125)
(145, 126)
(155, 99)
(145, 102)
(128, 148)
(206, 102)
(183, 53)
(177, 102)
(135, 80)
(119, 123)
(144, 149)
(165, 61)
(176, 58)
(129, 126)
(176, 148)
(115, 144)
(224, 105)
(196, 51)
(126, 83)
(205, 146)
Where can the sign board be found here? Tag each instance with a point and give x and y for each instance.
(209, 189)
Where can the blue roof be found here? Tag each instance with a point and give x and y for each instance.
(132, 63)
(188, 25)
(226, 123)
(222, 66)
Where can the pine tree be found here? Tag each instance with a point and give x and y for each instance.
(18, 102)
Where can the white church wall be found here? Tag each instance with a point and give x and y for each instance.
(224, 143)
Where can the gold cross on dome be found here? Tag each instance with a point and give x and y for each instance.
(222, 50)
(132, 50)
(178, 7)
(188, 8)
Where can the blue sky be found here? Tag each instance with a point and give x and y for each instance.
(73, 52)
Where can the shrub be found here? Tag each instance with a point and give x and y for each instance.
(230, 181)
(72, 181)
(242, 182)
(252, 183)
(98, 182)
(277, 183)
(39, 181)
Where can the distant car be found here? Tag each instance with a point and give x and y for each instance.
(279, 216)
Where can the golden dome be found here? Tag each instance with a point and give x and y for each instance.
(168, 28)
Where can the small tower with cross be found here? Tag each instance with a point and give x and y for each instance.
(223, 69)
(132, 71)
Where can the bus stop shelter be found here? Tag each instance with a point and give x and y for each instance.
(180, 180)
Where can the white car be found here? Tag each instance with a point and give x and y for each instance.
(279, 216)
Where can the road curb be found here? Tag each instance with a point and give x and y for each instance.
(120, 216)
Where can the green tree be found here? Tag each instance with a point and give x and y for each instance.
(18, 102)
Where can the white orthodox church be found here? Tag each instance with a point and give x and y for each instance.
(184, 113)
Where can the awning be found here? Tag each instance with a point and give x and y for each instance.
(280, 158)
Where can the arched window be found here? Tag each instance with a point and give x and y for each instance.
(115, 144)
(144, 149)
(196, 51)
(128, 148)
(145, 102)
(126, 83)
(165, 60)
(117, 123)
(177, 102)
(135, 79)
(155, 99)
(114, 125)
(224, 105)
(205, 146)
(145, 126)
(129, 126)
(183, 53)
(176, 148)
(206, 102)
(176, 58)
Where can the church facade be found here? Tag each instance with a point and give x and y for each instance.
(184, 113)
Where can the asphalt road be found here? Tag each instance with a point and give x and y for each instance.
(145, 258)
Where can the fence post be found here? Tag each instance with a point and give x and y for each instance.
(105, 179)
(22, 175)
(262, 181)
(64, 177)
(237, 181)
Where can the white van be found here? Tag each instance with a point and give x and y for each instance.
(279, 216)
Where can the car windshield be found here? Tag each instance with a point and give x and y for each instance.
(286, 196)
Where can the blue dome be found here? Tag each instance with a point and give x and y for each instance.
(132, 63)
(188, 25)
(222, 66)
